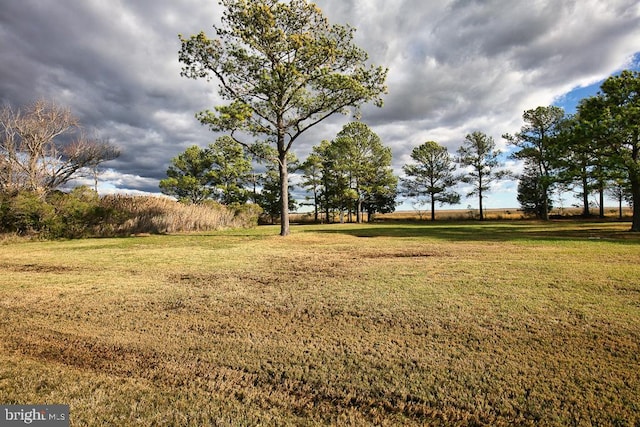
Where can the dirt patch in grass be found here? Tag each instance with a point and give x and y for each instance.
(36, 268)
(407, 253)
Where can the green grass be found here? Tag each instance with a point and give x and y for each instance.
(497, 323)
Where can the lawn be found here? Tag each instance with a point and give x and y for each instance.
(467, 323)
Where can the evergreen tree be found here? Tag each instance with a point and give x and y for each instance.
(479, 154)
(532, 194)
(538, 143)
(218, 172)
(284, 69)
(431, 177)
(188, 176)
(614, 123)
(365, 166)
(230, 171)
(312, 180)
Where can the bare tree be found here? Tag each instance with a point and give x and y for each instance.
(95, 153)
(38, 151)
(8, 150)
(36, 129)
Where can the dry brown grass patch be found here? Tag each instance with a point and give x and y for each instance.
(326, 328)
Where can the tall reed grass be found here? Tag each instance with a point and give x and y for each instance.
(128, 215)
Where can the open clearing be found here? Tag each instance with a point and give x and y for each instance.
(497, 323)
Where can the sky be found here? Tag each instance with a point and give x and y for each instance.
(455, 66)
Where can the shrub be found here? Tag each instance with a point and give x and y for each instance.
(246, 215)
(82, 213)
(58, 215)
(26, 213)
(77, 214)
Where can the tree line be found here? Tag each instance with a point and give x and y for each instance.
(284, 69)
(595, 150)
(592, 151)
(345, 178)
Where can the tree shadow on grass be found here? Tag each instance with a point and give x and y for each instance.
(492, 231)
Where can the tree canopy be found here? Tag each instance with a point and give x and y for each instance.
(365, 165)
(218, 172)
(613, 119)
(283, 68)
(538, 144)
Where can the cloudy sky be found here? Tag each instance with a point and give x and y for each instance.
(455, 66)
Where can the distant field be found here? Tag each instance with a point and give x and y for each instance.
(497, 323)
(489, 214)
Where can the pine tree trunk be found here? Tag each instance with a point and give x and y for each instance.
(544, 215)
(284, 194)
(585, 196)
(634, 178)
(433, 208)
(635, 193)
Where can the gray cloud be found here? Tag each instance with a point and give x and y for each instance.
(454, 67)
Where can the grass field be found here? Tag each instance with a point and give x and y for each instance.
(496, 323)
